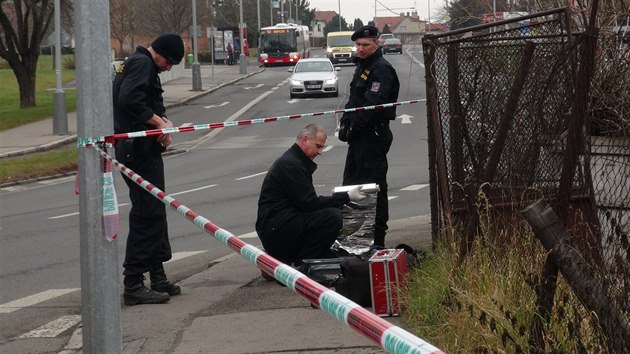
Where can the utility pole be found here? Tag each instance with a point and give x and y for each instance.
(339, 4)
(60, 115)
(242, 58)
(100, 297)
(196, 67)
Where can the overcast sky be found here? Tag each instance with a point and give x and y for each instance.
(364, 9)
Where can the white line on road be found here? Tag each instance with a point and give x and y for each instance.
(193, 190)
(53, 328)
(181, 255)
(251, 176)
(248, 235)
(414, 187)
(34, 299)
(392, 197)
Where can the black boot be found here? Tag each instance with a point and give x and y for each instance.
(160, 283)
(136, 293)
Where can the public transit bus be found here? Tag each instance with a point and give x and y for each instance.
(283, 44)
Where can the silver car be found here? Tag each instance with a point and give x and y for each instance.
(314, 76)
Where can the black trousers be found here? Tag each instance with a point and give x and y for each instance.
(366, 162)
(147, 241)
(308, 235)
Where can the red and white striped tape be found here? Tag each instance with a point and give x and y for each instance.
(390, 337)
(82, 142)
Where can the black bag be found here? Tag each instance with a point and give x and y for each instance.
(325, 271)
(354, 282)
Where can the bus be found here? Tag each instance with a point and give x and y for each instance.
(340, 47)
(284, 43)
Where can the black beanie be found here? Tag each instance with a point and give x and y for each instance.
(170, 46)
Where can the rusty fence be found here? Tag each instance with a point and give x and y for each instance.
(512, 120)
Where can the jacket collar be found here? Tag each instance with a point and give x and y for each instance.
(308, 163)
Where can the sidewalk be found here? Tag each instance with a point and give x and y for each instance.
(229, 308)
(38, 136)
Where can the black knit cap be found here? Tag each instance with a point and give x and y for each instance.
(366, 31)
(170, 46)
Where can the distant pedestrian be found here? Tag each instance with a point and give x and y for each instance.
(294, 223)
(367, 132)
(139, 105)
(230, 52)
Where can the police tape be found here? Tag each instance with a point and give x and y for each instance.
(390, 337)
(83, 142)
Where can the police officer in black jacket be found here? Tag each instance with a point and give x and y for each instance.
(138, 105)
(367, 132)
(293, 222)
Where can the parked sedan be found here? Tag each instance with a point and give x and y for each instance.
(314, 76)
(392, 45)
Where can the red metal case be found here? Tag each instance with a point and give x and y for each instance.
(388, 269)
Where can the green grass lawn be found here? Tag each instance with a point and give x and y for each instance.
(10, 113)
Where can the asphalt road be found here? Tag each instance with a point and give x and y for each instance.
(216, 173)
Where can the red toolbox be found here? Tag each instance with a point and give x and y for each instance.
(388, 269)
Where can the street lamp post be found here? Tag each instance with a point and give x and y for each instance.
(196, 68)
(242, 58)
(339, 4)
(60, 116)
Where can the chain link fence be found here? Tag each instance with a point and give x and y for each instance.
(508, 123)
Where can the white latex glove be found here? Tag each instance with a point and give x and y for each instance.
(355, 194)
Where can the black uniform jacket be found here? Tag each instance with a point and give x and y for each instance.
(374, 82)
(137, 92)
(288, 190)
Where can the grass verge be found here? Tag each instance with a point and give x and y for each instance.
(11, 115)
(49, 163)
(486, 304)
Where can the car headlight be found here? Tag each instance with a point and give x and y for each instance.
(331, 82)
(328, 50)
(293, 55)
(296, 82)
(264, 56)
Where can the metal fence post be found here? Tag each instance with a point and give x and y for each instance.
(100, 297)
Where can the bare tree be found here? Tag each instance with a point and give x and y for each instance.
(164, 16)
(123, 17)
(23, 24)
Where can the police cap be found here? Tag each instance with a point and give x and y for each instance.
(366, 31)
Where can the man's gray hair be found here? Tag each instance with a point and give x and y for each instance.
(311, 131)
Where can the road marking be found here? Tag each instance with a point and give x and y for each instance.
(327, 148)
(186, 125)
(217, 105)
(414, 187)
(34, 299)
(251, 176)
(392, 197)
(53, 328)
(181, 255)
(193, 190)
(252, 87)
(405, 118)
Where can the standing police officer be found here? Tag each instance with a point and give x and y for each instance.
(367, 132)
(138, 105)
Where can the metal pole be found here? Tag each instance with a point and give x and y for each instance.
(258, 8)
(296, 11)
(339, 3)
(196, 68)
(282, 11)
(242, 58)
(60, 115)
(270, 12)
(100, 297)
(290, 14)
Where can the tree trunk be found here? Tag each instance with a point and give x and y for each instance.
(25, 77)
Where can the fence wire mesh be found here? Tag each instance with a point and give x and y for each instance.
(501, 103)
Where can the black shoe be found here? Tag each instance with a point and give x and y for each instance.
(160, 283)
(141, 295)
(167, 287)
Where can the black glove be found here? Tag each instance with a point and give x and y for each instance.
(345, 128)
